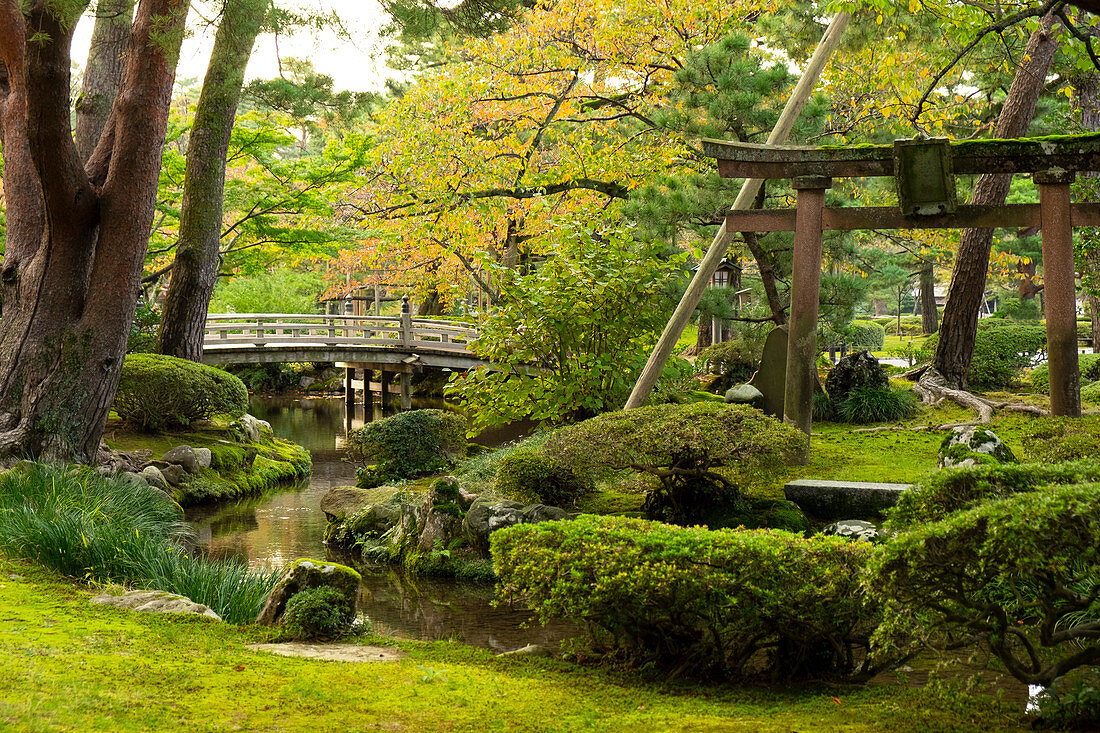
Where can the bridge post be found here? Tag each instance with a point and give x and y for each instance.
(406, 323)
(406, 391)
(384, 384)
(368, 397)
(349, 390)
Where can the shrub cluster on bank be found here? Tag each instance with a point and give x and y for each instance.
(100, 529)
(1002, 556)
(157, 392)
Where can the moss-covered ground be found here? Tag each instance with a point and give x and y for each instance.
(69, 666)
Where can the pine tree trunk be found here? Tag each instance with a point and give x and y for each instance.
(76, 235)
(198, 252)
(967, 289)
(103, 72)
(929, 315)
(767, 277)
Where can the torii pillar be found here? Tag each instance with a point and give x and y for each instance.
(1059, 291)
(805, 290)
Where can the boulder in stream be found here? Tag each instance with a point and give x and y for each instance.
(305, 573)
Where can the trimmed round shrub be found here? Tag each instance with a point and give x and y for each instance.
(1002, 350)
(701, 454)
(1055, 439)
(872, 404)
(910, 325)
(529, 475)
(702, 601)
(411, 444)
(317, 613)
(1089, 364)
(865, 335)
(157, 392)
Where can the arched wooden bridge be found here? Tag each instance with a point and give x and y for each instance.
(400, 341)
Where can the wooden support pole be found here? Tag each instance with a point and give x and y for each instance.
(384, 385)
(805, 289)
(1059, 293)
(406, 391)
(349, 389)
(690, 300)
(368, 397)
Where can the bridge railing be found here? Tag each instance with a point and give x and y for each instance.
(269, 329)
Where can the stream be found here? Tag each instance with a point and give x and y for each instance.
(278, 527)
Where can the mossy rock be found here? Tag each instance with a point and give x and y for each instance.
(304, 574)
(972, 446)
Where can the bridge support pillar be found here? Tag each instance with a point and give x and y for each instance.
(349, 390)
(384, 384)
(406, 391)
(368, 397)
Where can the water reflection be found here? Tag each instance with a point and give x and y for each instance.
(276, 528)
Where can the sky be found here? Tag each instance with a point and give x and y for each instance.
(357, 64)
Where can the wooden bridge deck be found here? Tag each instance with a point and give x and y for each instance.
(252, 338)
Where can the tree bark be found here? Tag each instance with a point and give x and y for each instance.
(77, 233)
(198, 252)
(103, 72)
(767, 277)
(929, 315)
(967, 289)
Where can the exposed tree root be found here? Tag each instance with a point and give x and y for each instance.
(933, 389)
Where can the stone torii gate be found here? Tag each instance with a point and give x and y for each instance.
(924, 170)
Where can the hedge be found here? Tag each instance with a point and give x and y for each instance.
(737, 603)
(865, 335)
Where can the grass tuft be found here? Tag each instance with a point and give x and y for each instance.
(81, 524)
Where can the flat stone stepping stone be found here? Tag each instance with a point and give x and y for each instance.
(332, 652)
(155, 601)
(842, 499)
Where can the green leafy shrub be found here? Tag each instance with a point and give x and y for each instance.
(143, 330)
(317, 613)
(1072, 702)
(870, 404)
(1091, 392)
(530, 476)
(278, 291)
(865, 335)
(737, 603)
(412, 443)
(1055, 439)
(701, 453)
(1017, 575)
(957, 489)
(1089, 364)
(1002, 350)
(910, 325)
(157, 392)
(586, 318)
(86, 526)
(733, 361)
(265, 377)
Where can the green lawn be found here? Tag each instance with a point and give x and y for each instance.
(68, 666)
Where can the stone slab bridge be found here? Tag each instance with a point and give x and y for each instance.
(396, 345)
